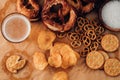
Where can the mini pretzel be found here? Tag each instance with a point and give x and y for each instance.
(76, 44)
(81, 21)
(68, 34)
(99, 38)
(61, 35)
(78, 29)
(92, 22)
(95, 27)
(73, 36)
(86, 40)
(88, 27)
(94, 46)
(85, 51)
(81, 37)
(80, 24)
(99, 30)
(91, 34)
(86, 21)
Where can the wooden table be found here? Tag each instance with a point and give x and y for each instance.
(29, 46)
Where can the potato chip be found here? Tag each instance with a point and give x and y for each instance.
(45, 39)
(40, 61)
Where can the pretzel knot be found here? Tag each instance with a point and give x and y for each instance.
(94, 46)
(88, 27)
(58, 15)
(86, 40)
(73, 36)
(76, 44)
(29, 8)
(61, 35)
(85, 51)
(91, 34)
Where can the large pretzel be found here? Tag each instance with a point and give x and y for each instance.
(29, 8)
(82, 5)
(75, 3)
(57, 15)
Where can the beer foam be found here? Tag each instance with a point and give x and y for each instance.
(111, 14)
(18, 16)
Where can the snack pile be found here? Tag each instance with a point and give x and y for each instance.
(62, 55)
(100, 60)
(85, 38)
(96, 45)
(86, 32)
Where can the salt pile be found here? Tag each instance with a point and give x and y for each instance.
(111, 14)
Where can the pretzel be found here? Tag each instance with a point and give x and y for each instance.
(82, 21)
(59, 9)
(80, 24)
(91, 34)
(85, 51)
(78, 29)
(94, 46)
(88, 27)
(73, 36)
(87, 8)
(92, 22)
(79, 19)
(76, 44)
(29, 8)
(81, 37)
(99, 30)
(75, 3)
(86, 40)
(61, 34)
(98, 39)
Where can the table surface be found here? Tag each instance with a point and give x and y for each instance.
(29, 46)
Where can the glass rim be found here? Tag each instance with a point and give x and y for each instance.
(22, 17)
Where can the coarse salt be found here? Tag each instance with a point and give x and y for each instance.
(111, 14)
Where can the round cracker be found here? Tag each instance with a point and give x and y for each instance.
(94, 60)
(112, 67)
(106, 56)
(110, 42)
